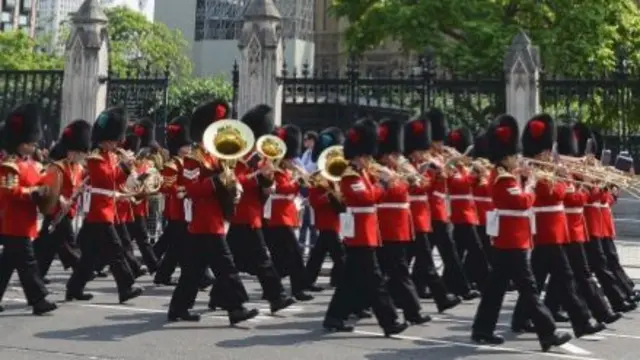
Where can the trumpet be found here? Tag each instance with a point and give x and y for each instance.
(380, 171)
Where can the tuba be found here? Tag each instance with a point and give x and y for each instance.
(271, 147)
(228, 141)
(332, 163)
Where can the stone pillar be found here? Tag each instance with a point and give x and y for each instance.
(261, 58)
(84, 95)
(522, 68)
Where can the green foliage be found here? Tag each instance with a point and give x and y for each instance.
(20, 52)
(574, 36)
(186, 95)
(137, 44)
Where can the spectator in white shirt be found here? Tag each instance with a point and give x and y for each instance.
(306, 228)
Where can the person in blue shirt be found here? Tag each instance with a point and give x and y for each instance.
(306, 228)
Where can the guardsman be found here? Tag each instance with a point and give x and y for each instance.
(205, 193)
(548, 256)
(454, 275)
(67, 173)
(396, 230)
(281, 211)
(98, 236)
(464, 215)
(21, 191)
(510, 225)
(417, 139)
(169, 246)
(362, 282)
(575, 198)
(326, 205)
(245, 236)
(482, 190)
(146, 162)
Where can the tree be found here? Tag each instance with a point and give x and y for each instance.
(20, 52)
(137, 44)
(574, 36)
(186, 95)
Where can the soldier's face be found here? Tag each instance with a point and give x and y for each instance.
(28, 148)
(185, 150)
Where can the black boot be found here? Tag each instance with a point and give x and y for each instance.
(450, 302)
(417, 319)
(331, 324)
(362, 314)
(281, 304)
(589, 329)
(302, 296)
(557, 339)
(395, 329)
(242, 314)
(611, 318)
(527, 327)
(182, 316)
(491, 339)
(43, 306)
(132, 293)
(560, 316)
(472, 294)
(80, 296)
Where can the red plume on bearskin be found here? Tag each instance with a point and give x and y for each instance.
(536, 127)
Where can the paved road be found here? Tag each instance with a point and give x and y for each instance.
(104, 329)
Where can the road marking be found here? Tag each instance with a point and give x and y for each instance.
(485, 347)
(576, 350)
(630, 220)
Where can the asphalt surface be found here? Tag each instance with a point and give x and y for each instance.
(104, 330)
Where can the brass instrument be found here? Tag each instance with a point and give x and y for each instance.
(332, 163)
(229, 141)
(271, 147)
(51, 193)
(65, 210)
(380, 171)
(408, 172)
(299, 173)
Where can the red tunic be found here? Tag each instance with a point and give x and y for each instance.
(18, 178)
(249, 209)
(463, 208)
(72, 177)
(437, 198)
(608, 227)
(106, 177)
(551, 222)
(482, 198)
(592, 213)
(284, 211)
(419, 202)
(173, 205)
(360, 197)
(326, 217)
(574, 201)
(206, 212)
(513, 207)
(393, 207)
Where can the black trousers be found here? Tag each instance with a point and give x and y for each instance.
(200, 251)
(100, 241)
(251, 255)
(512, 265)
(362, 282)
(485, 240)
(393, 262)
(127, 244)
(453, 275)
(587, 285)
(61, 241)
(18, 255)
(615, 292)
(327, 242)
(138, 231)
(611, 252)
(283, 246)
(173, 236)
(552, 260)
(471, 252)
(424, 270)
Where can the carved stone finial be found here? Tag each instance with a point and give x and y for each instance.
(522, 51)
(261, 10)
(90, 11)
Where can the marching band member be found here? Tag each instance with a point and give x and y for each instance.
(482, 192)
(21, 191)
(575, 199)
(464, 216)
(98, 237)
(511, 229)
(245, 236)
(417, 139)
(137, 229)
(66, 171)
(207, 194)
(326, 205)
(548, 256)
(169, 246)
(396, 230)
(362, 281)
(281, 212)
(454, 274)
